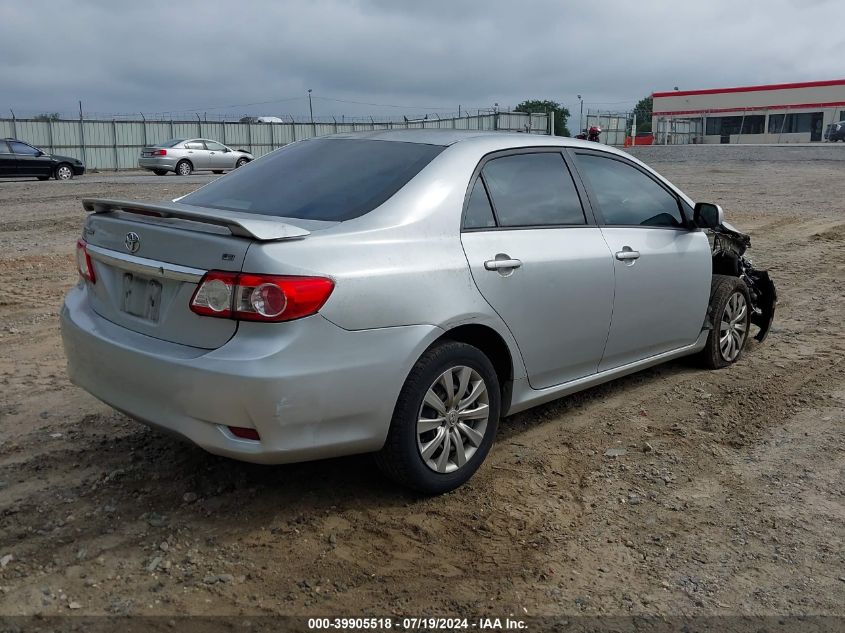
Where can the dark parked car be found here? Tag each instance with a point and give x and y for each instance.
(22, 160)
(835, 132)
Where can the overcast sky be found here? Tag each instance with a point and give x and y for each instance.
(423, 55)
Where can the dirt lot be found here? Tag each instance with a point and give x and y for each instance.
(729, 500)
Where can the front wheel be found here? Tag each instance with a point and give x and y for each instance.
(64, 172)
(730, 313)
(241, 162)
(444, 421)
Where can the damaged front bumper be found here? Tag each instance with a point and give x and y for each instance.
(764, 298)
(729, 247)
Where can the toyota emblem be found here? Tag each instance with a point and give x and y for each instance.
(132, 242)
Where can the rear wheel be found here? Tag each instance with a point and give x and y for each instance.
(64, 172)
(444, 421)
(43, 177)
(730, 312)
(184, 168)
(160, 172)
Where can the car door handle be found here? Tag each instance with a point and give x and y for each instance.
(502, 264)
(626, 254)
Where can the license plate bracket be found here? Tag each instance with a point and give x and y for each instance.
(141, 297)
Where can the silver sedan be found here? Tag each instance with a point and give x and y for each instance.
(184, 156)
(397, 293)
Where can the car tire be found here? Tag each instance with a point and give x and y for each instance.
(417, 425)
(241, 162)
(63, 172)
(160, 172)
(730, 313)
(184, 168)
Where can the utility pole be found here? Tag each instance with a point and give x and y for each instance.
(581, 116)
(311, 111)
(82, 136)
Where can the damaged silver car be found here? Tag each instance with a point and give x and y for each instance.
(398, 292)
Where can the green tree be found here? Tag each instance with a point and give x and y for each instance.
(643, 110)
(47, 116)
(561, 113)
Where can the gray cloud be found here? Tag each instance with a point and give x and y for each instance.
(161, 56)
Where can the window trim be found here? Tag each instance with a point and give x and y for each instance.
(4, 142)
(682, 208)
(589, 219)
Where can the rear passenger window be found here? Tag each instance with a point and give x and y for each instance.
(195, 145)
(479, 212)
(626, 196)
(533, 190)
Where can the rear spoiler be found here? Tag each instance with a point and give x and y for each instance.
(258, 227)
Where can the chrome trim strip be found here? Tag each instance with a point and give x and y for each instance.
(143, 266)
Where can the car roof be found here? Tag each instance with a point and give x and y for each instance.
(502, 140)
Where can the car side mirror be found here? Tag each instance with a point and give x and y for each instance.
(226, 151)
(707, 215)
(40, 153)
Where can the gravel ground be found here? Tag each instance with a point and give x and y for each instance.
(726, 498)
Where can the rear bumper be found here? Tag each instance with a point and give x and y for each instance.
(311, 389)
(163, 162)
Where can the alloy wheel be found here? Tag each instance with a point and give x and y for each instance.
(733, 327)
(64, 173)
(453, 418)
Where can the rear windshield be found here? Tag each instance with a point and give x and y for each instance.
(320, 179)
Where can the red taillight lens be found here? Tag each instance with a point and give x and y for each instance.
(83, 261)
(252, 297)
(244, 433)
(160, 152)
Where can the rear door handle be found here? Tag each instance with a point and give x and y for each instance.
(501, 264)
(627, 254)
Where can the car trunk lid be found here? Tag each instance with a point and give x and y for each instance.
(149, 257)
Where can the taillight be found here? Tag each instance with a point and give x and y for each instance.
(252, 297)
(83, 261)
(244, 433)
(160, 152)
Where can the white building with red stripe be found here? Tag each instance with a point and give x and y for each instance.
(773, 113)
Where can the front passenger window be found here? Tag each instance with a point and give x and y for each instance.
(626, 196)
(23, 148)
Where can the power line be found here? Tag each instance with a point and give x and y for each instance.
(390, 105)
(236, 105)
